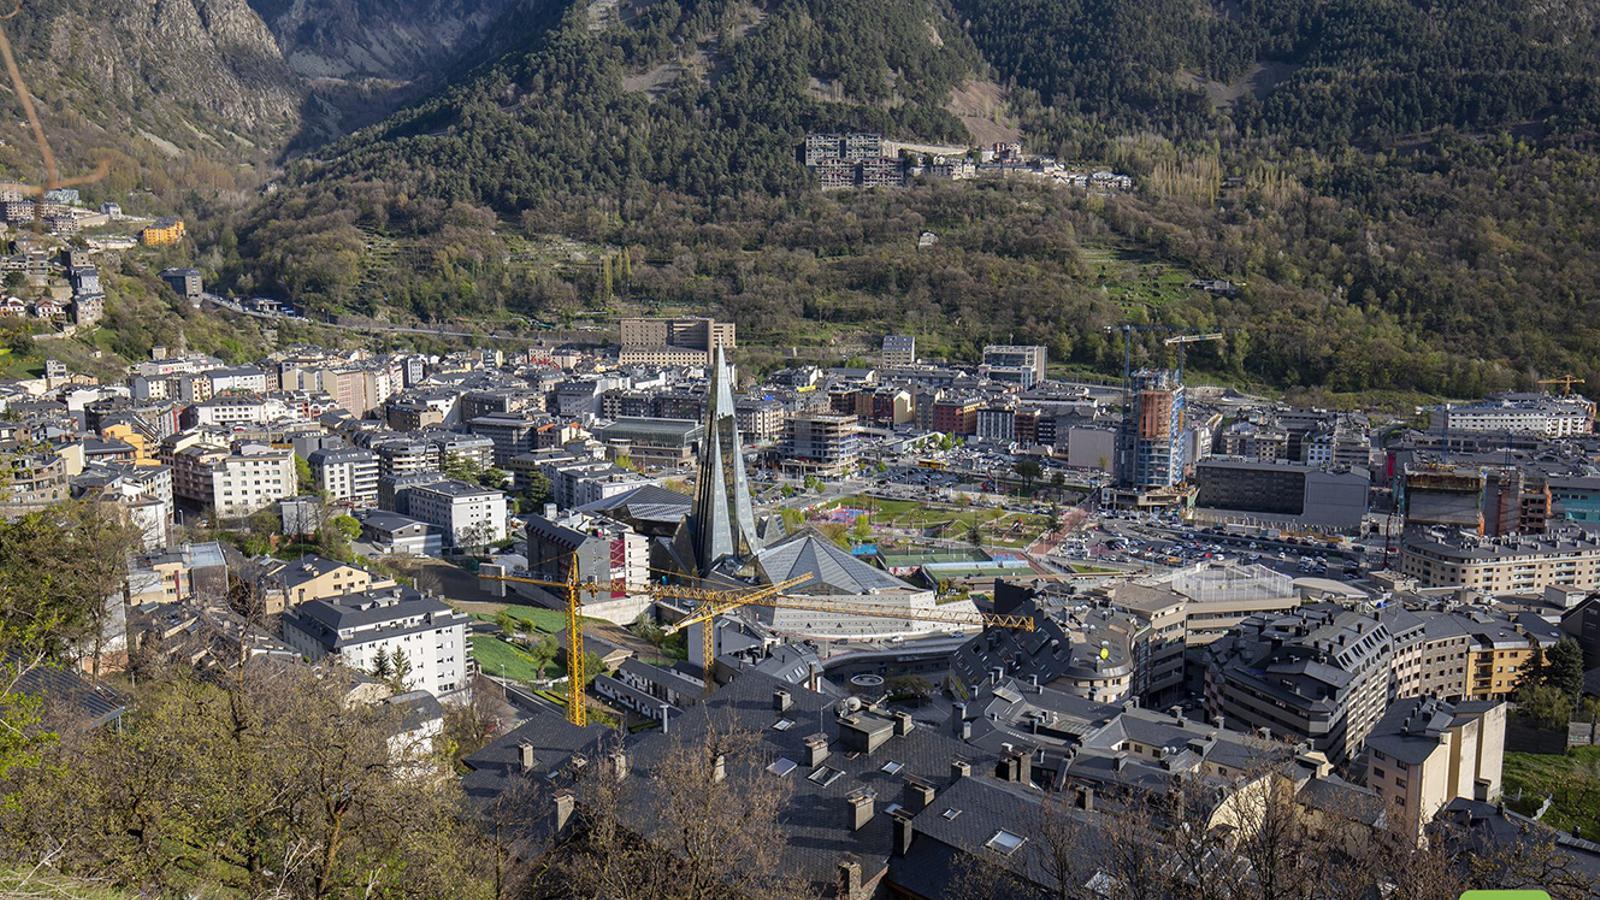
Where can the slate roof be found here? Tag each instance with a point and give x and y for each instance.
(65, 692)
(324, 619)
(815, 822)
(648, 503)
(1412, 729)
(808, 552)
(941, 842)
(497, 766)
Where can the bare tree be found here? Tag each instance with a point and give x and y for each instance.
(702, 822)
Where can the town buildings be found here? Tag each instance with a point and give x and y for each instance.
(824, 443)
(347, 475)
(1425, 753)
(1539, 414)
(165, 232)
(1318, 674)
(1152, 433)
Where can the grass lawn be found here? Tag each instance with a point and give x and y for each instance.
(1001, 528)
(1572, 779)
(547, 621)
(496, 657)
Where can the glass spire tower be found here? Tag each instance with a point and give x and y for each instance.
(722, 524)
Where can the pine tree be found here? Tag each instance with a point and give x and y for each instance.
(402, 670)
(381, 668)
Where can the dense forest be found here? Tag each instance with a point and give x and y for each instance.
(1401, 189)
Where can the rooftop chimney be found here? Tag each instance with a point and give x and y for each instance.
(719, 767)
(860, 806)
(525, 758)
(919, 794)
(566, 802)
(618, 760)
(959, 769)
(1086, 798)
(902, 723)
(816, 749)
(781, 700)
(958, 715)
(849, 879)
(903, 832)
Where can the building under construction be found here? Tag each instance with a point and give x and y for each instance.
(1152, 431)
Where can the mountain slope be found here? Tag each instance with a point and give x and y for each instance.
(707, 96)
(149, 81)
(205, 95)
(1401, 186)
(361, 59)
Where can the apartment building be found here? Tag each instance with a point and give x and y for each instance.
(956, 415)
(1426, 752)
(1319, 674)
(1539, 414)
(287, 584)
(357, 628)
(820, 442)
(673, 342)
(1004, 359)
(403, 456)
(759, 421)
(35, 480)
(469, 515)
(511, 434)
(236, 412)
(899, 350)
(1511, 564)
(347, 475)
(142, 492)
(232, 483)
(1431, 653)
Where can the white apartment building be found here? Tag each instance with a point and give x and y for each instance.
(469, 515)
(1520, 414)
(144, 493)
(233, 483)
(347, 475)
(201, 386)
(357, 628)
(229, 411)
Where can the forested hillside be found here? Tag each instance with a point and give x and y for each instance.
(1305, 72)
(1402, 188)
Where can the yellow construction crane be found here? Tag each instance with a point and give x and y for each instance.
(571, 588)
(1182, 340)
(577, 713)
(711, 602)
(1566, 382)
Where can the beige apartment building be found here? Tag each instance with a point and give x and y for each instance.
(1518, 564)
(1426, 752)
(673, 342)
(285, 584)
